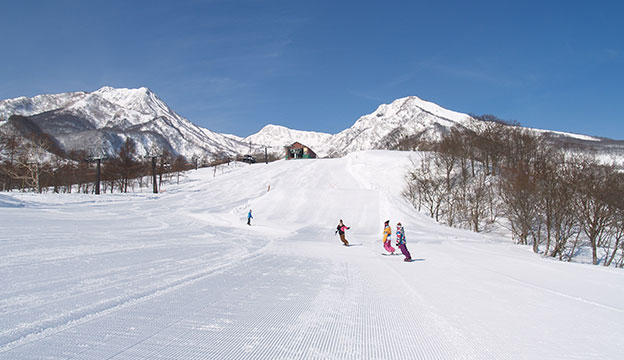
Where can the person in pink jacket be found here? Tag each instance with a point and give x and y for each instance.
(387, 237)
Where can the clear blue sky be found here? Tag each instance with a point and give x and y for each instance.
(235, 66)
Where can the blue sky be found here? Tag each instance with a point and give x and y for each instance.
(235, 66)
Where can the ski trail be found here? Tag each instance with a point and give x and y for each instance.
(181, 276)
(274, 307)
(43, 329)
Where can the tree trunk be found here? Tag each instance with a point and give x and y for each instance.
(615, 249)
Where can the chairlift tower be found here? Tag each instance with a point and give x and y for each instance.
(98, 169)
(154, 180)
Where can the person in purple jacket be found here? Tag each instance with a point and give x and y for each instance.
(401, 243)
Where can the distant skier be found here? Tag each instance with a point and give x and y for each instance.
(401, 243)
(249, 217)
(340, 229)
(387, 235)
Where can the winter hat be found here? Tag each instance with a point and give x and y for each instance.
(399, 223)
(387, 222)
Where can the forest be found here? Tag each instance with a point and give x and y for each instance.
(559, 201)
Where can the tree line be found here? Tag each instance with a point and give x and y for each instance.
(31, 160)
(560, 203)
(26, 164)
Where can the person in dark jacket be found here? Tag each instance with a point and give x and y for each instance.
(340, 229)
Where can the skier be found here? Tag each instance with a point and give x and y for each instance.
(249, 217)
(387, 234)
(401, 243)
(340, 229)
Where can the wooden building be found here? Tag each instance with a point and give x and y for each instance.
(299, 151)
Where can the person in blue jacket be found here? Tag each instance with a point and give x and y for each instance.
(249, 217)
(401, 243)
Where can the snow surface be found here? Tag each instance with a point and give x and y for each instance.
(179, 275)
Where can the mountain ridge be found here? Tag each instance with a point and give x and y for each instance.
(122, 114)
(101, 120)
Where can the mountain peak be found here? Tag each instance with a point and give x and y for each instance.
(432, 108)
(107, 88)
(130, 94)
(277, 136)
(273, 127)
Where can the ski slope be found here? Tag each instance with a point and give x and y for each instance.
(179, 275)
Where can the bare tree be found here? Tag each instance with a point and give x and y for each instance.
(563, 220)
(616, 232)
(179, 165)
(123, 168)
(30, 162)
(491, 145)
(430, 186)
(446, 160)
(478, 200)
(518, 190)
(615, 199)
(10, 147)
(593, 209)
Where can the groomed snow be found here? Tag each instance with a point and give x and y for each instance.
(179, 275)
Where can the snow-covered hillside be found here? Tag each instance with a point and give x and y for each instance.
(179, 275)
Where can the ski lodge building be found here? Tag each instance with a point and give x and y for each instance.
(299, 151)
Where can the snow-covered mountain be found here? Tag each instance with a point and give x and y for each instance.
(102, 120)
(379, 130)
(407, 116)
(414, 118)
(276, 137)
